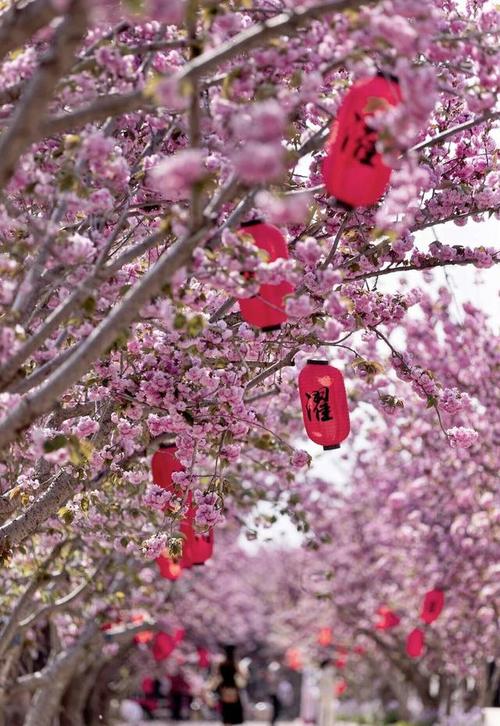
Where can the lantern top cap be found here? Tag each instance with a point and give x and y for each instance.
(312, 361)
(252, 222)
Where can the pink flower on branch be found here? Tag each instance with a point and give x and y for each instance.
(461, 437)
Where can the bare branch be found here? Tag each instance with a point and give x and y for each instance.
(263, 32)
(19, 24)
(286, 361)
(101, 109)
(488, 116)
(408, 268)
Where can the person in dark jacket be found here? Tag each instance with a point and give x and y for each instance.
(230, 683)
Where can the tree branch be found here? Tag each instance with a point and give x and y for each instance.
(262, 33)
(25, 125)
(19, 24)
(408, 268)
(101, 109)
(286, 361)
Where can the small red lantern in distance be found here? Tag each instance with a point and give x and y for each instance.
(324, 404)
(340, 687)
(163, 464)
(353, 170)
(432, 606)
(415, 643)
(145, 636)
(163, 646)
(293, 659)
(204, 660)
(266, 309)
(387, 619)
(325, 636)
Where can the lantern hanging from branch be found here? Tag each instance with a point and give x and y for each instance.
(325, 637)
(204, 658)
(387, 618)
(293, 659)
(266, 310)
(169, 569)
(324, 404)
(197, 548)
(353, 170)
(163, 464)
(415, 643)
(145, 636)
(340, 687)
(432, 606)
(163, 646)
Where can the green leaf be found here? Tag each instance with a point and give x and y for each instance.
(89, 305)
(56, 442)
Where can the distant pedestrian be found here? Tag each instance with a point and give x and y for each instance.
(272, 679)
(230, 681)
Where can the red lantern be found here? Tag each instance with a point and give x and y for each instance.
(204, 659)
(169, 569)
(340, 687)
(163, 646)
(387, 619)
(341, 661)
(146, 636)
(179, 635)
(163, 464)
(432, 606)
(353, 170)
(266, 309)
(415, 643)
(293, 659)
(325, 636)
(201, 547)
(324, 404)
(197, 548)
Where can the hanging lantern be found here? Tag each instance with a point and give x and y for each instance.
(197, 548)
(178, 635)
(432, 606)
(387, 619)
(266, 310)
(145, 636)
(201, 547)
(204, 660)
(353, 170)
(163, 646)
(163, 464)
(324, 404)
(325, 636)
(169, 569)
(340, 687)
(341, 661)
(293, 659)
(415, 643)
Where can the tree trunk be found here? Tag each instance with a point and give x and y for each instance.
(58, 673)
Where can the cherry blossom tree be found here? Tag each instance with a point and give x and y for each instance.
(136, 139)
